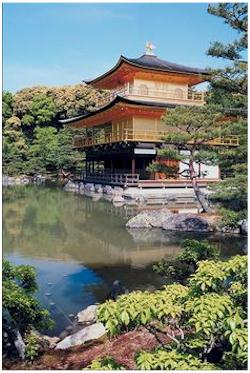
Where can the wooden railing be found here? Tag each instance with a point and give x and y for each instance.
(128, 135)
(178, 95)
(113, 179)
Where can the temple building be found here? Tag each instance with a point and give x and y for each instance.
(124, 132)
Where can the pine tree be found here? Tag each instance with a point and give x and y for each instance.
(228, 86)
(193, 133)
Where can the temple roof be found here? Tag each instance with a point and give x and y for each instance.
(151, 62)
(117, 100)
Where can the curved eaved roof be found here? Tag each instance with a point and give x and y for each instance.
(150, 62)
(117, 100)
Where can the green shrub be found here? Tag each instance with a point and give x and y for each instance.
(185, 263)
(170, 360)
(105, 363)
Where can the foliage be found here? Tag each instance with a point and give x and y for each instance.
(14, 147)
(31, 116)
(139, 308)
(21, 308)
(190, 142)
(209, 315)
(7, 106)
(184, 264)
(228, 86)
(105, 363)
(32, 346)
(170, 360)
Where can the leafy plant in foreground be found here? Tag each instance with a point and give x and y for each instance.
(204, 319)
(105, 363)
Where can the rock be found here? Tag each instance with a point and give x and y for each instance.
(89, 333)
(51, 340)
(149, 219)
(89, 187)
(8, 180)
(186, 223)
(108, 189)
(63, 334)
(87, 316)
(81, 187)
(243, 227)
(98, 188)
(117, 190)
(118, 199)
(71, 186)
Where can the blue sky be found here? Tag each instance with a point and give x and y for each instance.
(63, 43)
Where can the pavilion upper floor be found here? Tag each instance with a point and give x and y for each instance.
(155, 91)
(149, 78)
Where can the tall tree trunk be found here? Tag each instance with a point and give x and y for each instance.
(198, 193)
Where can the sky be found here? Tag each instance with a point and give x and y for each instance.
(56, 44)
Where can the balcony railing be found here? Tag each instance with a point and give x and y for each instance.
(179, 95)
(128, 135)
(114, 179)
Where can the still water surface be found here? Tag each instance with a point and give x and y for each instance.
(79, 247)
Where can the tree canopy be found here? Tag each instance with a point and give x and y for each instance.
(33, 139)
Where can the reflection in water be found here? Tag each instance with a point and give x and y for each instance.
(80, 247)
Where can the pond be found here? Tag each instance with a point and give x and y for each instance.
(80, 246)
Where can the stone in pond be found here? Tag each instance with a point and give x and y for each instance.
(149, 219)
(186, 223)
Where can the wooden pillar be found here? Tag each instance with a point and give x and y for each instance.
(86, 167)
(133, 166)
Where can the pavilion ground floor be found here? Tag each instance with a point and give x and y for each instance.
(126, 165)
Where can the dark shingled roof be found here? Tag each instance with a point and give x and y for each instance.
(151, 63)
(112, 103)
(154, 62)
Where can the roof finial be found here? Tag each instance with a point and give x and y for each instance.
(149, 49)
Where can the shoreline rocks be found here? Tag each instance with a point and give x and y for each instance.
(181, 222)
(186, 222)
(22, 180)
(89, 333)
(169, 221)
(88, 315)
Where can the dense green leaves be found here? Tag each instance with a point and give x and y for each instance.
(170, 360)
(105, 363)
(139, 308)
(21, 308)
(228, 86)
(210, 313)
(31, 118)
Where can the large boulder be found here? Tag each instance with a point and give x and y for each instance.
(149, 219)
(87, 316)
(186, 223)
(92, 332)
